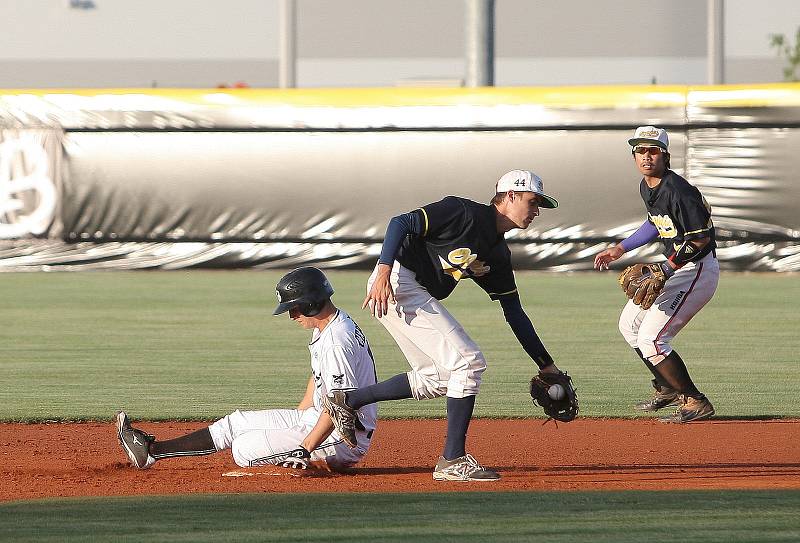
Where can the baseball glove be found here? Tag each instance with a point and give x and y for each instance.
(559, 405)
(642, 283)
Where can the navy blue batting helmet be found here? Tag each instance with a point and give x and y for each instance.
(305, 288)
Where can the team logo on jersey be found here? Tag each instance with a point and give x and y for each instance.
(338, 379)
(664, 225)
(462, 263)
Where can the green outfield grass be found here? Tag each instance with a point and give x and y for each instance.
(612, 517)
(198, 344)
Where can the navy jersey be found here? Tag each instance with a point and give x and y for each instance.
(678, 211)
(459, 240)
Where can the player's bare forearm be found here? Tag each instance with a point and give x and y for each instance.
(381, 292)
(319, 433)
(604, 258)
(308, 397)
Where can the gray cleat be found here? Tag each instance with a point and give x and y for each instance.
(663, 396)
(692, 409)
(464, 468)
(135, 443)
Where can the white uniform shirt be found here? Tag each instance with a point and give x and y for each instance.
(341, 360)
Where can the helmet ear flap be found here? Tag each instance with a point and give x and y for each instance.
(311, 309)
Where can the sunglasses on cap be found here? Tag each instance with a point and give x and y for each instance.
(645, 150)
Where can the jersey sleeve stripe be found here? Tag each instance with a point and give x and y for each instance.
(425, 227)
(502, 293)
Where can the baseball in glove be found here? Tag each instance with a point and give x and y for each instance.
(642, 283)
(554, 393)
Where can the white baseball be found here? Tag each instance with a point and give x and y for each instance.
(556, 392)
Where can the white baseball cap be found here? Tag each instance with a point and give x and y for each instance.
(649, 136)
(525, 181)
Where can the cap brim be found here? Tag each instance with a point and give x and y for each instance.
(547, 202)
(633, 142)
(283, 308)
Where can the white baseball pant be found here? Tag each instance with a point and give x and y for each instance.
(258, 438)
(684, 294)
(444, 359)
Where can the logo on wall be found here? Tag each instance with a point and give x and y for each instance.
(27, 192)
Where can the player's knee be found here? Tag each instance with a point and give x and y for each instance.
(628, 333)
(477, 365)
(429, 392)
(471, 371)
(247, 452)
(239, 454)
(425, 388)
(470, 363)
(648, 349)
(474, 377)
(223, 431)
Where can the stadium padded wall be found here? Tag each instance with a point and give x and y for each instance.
(277, 178)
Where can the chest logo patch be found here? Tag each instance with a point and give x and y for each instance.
(664, 225)
(462, 263)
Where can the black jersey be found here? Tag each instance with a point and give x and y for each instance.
(459, 240)
(678, 211)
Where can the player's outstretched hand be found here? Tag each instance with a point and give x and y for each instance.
(298, 458)
(604, 258)
(381, 292)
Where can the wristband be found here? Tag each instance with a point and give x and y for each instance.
(668, 270)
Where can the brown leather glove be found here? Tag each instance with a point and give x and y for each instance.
(642, 283)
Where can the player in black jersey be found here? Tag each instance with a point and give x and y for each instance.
(425, 254)
(677, 214)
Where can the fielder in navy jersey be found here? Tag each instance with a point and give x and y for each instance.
(425, 254)
(679, 216)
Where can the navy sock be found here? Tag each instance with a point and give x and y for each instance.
(396, 388)
(197, 443)
(459, 413)
(674, 372)
(659, 379)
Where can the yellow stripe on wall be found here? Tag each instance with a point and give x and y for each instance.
(557, 97)
(587, 97)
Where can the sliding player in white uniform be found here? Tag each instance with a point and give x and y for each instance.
(299, 438)
(677, 214)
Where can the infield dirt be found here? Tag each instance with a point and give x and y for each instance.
(84, 459)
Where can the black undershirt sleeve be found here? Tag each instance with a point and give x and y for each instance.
(523, 329)
(399, 227)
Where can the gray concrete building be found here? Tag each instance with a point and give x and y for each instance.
(350, 43)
